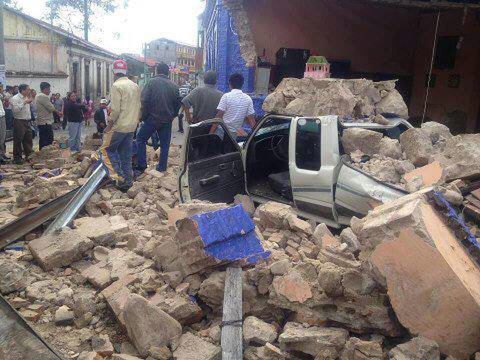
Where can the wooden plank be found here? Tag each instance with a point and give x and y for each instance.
(232, 335)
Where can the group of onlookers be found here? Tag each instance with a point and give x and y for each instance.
(28, 113)
(129, 115)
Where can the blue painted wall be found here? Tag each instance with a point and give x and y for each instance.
(222, 47)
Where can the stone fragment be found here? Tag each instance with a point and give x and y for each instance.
(147, 325)
(19, 302)
(367, 141)
(390, 148)
(30, 315)
(393, 104)
(180, 307)
(116, 296)
(98, 229)
(312, 340)
(98, 275)
(330, 279)
(62, 249)
(400, 235)
(12, 276)
(124, 357)
(348, 237)
(419, 348)
(293, 287)
(192, 347)
(273, 214)
(267, 352)
(298, 225)
(356, 349)
(102, 345)
(417, 146)
(280, 267)
(256, 331)
(460, 157)
(64, 316)
(246, 202)
(89, 355)
(436, 131)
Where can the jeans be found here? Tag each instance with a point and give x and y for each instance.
(3, 134)
(116, 153)
(164, 136)
(74, 135)
(45, 135)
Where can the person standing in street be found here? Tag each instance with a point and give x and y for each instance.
(101, 116)
(204, 100)
(58, 103)
(45, 112)
(160, 106)
(116, 150)
(22, 132)
(3, 131)
(234, 108)
(74, 113)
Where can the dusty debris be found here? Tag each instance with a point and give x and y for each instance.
(147, 325)
(191, 347)
(351, 97)
(419, 348)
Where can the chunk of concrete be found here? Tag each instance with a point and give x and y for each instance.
(419, 348)
(192, 347)
(102, 345)
(390, 148)
(356, 349)
(436, 131)
(246, 202)
(147, 325)
(393, 103)
(13, 276)
(64, 316)
(293, 287)
(98, 229)
(62, 249)
(399, 236)
(366, 141)
(312, 340)
(417, 146)
(256, 331)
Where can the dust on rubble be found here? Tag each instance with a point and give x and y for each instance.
(117, 285)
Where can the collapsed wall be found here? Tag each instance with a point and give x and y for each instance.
(242, 27)
(356, 98)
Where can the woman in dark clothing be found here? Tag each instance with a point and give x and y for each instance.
(74, 114)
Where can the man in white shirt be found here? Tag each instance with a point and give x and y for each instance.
(22, 132)
(234, 108)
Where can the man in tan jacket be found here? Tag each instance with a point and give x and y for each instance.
(45, 111)
(116, 150)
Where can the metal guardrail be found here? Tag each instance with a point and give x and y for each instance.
(14, 230)
(78, 201)
(18, 341)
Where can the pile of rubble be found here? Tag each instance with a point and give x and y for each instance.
(128, 281)
(356, 98)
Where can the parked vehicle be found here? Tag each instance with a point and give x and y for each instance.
(293, 160)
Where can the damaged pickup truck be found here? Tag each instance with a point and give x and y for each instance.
(293, 160)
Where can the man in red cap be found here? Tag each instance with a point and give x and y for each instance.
(116, 150)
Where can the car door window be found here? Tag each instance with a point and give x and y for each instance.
(203, 145)
(307, 150)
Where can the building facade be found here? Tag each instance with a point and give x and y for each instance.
(179, 56)
(374, 39)
(35, 51)
(163, 50)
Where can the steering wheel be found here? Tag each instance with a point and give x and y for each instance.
(276, 145)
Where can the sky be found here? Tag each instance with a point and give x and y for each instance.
(142, 21)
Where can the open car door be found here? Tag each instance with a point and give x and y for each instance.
(212, 165)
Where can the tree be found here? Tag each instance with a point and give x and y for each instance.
(13, 4)
(81, 7)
